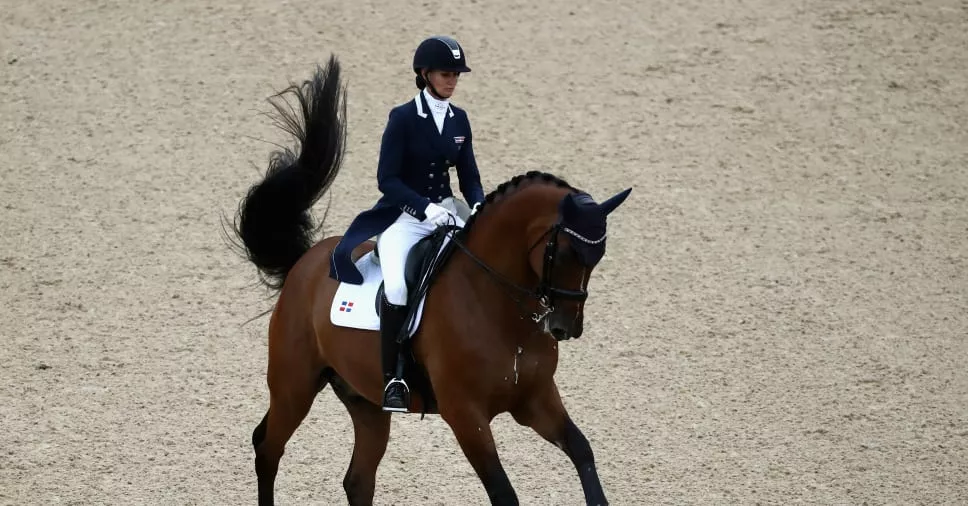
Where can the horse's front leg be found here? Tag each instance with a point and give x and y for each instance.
(546, 414)
(473, 433)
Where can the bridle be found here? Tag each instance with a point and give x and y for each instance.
(545, 293)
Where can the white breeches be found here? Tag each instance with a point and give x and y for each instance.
(395, 243)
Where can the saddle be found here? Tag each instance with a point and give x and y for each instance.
(422, 265)
(422, 262)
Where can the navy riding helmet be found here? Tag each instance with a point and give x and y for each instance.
(440, 53)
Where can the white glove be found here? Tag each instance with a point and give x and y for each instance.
(437, 215)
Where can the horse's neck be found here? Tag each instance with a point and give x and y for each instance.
(500, 239)
(501, 315)
(505, 231)
(499, 243)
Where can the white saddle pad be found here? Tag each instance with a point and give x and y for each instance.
(354, 306)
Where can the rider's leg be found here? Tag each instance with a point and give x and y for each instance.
(394, 244)
(395, 391)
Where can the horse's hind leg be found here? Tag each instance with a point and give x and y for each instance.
(291, 394)
(546, 414)
(371, 428)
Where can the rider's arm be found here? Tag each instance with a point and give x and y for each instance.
(390, 168)
(469, 176)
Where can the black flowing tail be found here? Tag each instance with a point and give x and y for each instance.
(274, 221)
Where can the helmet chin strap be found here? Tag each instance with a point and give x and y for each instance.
(433, 91)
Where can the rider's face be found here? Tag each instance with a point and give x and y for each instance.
(443, 81)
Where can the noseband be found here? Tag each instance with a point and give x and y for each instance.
(545, 293)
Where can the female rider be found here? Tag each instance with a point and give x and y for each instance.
(423, 139)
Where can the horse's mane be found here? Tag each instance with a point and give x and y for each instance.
(512, 185)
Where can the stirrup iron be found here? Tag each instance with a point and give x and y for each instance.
(406, 396)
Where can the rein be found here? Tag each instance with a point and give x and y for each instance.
(544, 293)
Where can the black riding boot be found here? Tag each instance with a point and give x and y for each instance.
(396, 395)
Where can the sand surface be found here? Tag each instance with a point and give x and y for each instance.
(781, 316)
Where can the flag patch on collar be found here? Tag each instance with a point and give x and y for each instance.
(459, 139)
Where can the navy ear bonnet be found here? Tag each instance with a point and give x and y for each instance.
(584, 221)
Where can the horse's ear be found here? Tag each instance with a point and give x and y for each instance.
(609, 205)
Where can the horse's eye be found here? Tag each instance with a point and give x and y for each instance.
(567, 255)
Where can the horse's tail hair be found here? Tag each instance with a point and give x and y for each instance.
(273, 221)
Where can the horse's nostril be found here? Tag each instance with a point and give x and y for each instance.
(559, 333)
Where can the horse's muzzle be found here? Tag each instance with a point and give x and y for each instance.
(560, 334)
(564, 328)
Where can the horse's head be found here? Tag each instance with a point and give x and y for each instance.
(561, 231)
(572, 246)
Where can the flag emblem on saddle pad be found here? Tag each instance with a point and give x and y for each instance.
(346, 306)
(459, 139)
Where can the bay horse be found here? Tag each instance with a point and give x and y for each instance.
(488, 339)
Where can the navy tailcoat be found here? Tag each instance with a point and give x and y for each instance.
(413, 171)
